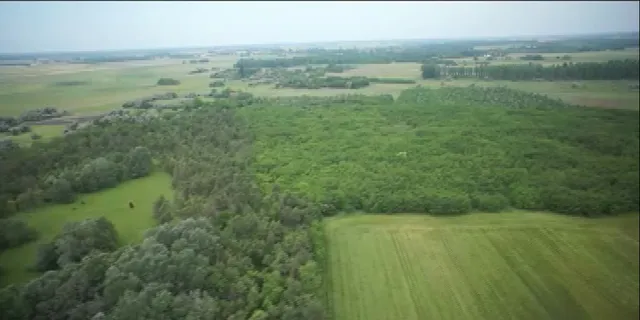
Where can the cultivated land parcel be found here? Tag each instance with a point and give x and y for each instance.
(517, 265)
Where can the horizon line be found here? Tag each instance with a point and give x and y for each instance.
(486, 38)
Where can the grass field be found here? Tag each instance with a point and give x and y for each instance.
(100, 87)
(46, 131)
(592, 93)
(90, 89)
(551, 58)
(482, 266)
(111, 203)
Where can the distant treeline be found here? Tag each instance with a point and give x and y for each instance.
(611, 70)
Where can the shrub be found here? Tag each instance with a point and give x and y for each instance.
(168, 82)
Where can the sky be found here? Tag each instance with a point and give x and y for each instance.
(88, 26)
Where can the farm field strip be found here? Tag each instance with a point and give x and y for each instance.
(395, 269)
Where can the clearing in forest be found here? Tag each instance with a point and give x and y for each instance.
(130, 223)
(518, 265)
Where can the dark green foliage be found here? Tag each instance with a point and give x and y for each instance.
(61, 191)
(147, 103)
(451, 150)
(46, 258)
(71, 83)
(14, 232)
(167, 82)
(430, 71)
(199, 70)
(77, 240)
(138, 162)
(392, 80)
(162, 210)
(216, 84)
(532, 57)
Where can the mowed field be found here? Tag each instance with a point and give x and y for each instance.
(99, 87)
(111, 203)
(518, 265)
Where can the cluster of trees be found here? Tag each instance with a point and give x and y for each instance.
(147, 103)
(237, 252)
(452, 150)
(196, 61)
(392, 80)
(16, 126)
(303, 81)
(611, 70)
(216, 84)
(32, 173)
(76, 241)
(168, 82)
(14, 232)
(199, 70)
(532, 57)
(61, 186)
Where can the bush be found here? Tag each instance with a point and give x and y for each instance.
(78, 239)
(168, 82)
(489, 202)
(15, 232)
(216, 84)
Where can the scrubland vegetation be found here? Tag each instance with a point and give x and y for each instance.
(442, 199)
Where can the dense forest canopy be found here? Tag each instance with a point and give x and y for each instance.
(451, 150)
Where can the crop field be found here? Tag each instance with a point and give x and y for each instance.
(90, 89)
(110, 203)
(518, 265)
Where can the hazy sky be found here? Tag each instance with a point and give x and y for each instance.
(71, 26)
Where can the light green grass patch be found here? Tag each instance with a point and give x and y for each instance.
(518, 265)
(47, 132)
(111, 203)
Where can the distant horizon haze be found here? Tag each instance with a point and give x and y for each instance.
(45, 27)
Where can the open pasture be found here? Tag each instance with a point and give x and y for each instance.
(515, 265)
(110, 203)
(96, 88)
(46, 133)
